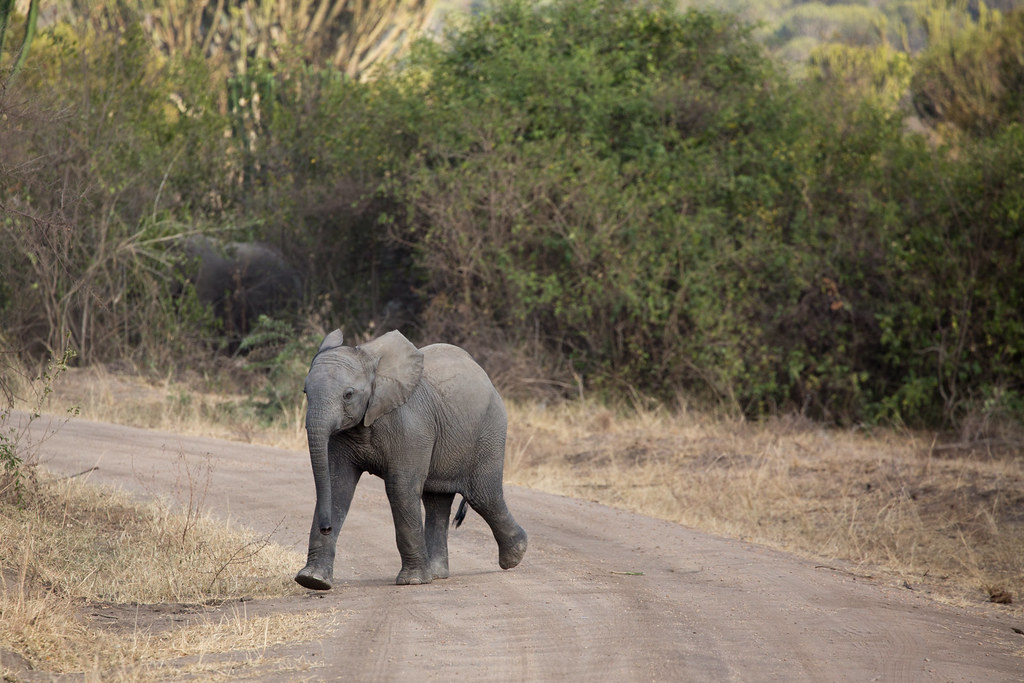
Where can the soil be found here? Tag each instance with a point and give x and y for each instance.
(601, 593)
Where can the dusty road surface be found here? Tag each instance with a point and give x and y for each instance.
(600, 595)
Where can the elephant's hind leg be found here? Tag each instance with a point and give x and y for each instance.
(438, 507)
(510, 536)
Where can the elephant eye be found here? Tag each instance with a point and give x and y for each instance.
(348, 394)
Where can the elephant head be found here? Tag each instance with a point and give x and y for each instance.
(348, 386)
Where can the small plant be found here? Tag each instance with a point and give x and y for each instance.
(12, 472)
(17, 446)
(276, 350)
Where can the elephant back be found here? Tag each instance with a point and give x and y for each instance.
(457, 377)
(240, 281)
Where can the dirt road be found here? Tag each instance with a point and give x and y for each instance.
(601, 594)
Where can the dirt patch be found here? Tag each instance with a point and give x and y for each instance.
(126, 619)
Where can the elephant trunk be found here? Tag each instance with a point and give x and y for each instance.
(317, 434)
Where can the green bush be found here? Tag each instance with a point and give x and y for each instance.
(973, 78)
(650, 197)
(952, 334)
(588, 172)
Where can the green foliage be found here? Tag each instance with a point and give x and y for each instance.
(953, 329)
(282, 358)
(880, 74)
(973, 79)
(6, 10)
(583, 159)
(643, 192)
(644, 195)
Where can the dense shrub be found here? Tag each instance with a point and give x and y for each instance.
(89, 171)
(103, 177)
(590, 173)
(973, 78)
(639, 200)
(951, 330)
(321, 148)
(646, 194)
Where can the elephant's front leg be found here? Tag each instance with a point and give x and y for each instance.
(318, 574)
(439, 509)
(407, 511)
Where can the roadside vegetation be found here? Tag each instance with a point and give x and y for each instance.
(82, 567)
(894, 506)
(592, 197)
(762, 280)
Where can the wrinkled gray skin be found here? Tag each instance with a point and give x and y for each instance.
(430, 424)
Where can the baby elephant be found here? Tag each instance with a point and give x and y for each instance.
(430, 424)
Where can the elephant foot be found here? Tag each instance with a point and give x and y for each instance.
(510, 555)
(310, 577)
(413, 577)
(439, 569)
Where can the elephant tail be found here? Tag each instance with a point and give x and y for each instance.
(460, 514)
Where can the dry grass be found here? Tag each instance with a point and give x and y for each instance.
(949, 521)
(174, 406)
(97, 544)
(94, 583)
(97, 584)
(77, 549)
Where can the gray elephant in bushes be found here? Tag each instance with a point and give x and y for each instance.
(430, 424)
(240, 281)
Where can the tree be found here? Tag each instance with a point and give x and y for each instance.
(972, 79)
(6, 10)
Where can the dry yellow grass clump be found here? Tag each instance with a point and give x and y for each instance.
(174, 406)
(99, 544)
(80, 567)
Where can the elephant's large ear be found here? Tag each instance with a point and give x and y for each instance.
(399, 366)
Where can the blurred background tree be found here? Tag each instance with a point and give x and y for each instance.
(29, 29)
